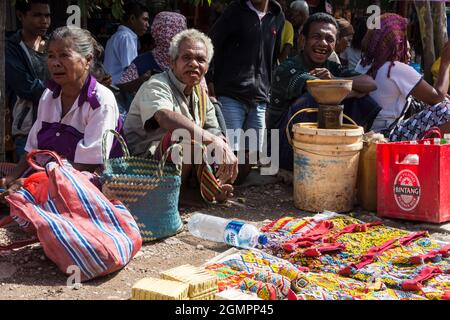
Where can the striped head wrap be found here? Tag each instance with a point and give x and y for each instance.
(389, 43)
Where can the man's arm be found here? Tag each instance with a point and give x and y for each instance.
(171, 120)
(18, 77)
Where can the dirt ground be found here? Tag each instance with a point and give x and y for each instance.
(28, 274)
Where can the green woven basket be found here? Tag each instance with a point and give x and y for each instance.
(149, 188)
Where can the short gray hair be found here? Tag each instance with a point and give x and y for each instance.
(82, 41)
(194, 35)
(300, 5)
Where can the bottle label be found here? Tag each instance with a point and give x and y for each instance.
(231, 233)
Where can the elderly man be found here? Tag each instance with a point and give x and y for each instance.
(174, 100)
(289, 86)
(298, 14)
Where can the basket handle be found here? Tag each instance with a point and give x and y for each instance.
(122, 143)
(309, 110)
(31, 161)
(162, 162)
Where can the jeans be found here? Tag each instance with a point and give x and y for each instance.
(20, 142)
(241, 116)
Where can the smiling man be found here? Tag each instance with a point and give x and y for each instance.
(174, 100)
(289, 84)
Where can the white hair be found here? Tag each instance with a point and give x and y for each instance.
(300, 5)
(194, 35)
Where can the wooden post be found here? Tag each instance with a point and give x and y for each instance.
(427, 36)
(440, 26)
(2, 81)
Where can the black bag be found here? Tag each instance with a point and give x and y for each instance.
(412, 107)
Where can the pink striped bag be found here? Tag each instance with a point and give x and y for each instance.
(76, 225)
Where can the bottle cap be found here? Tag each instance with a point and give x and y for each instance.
(262, 239)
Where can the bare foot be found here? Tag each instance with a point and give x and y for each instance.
(227, 192)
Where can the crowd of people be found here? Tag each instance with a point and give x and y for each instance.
(249, 72)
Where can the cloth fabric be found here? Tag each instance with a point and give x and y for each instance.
(76, 224)
(287, 35)
(120, 51)
(414, 127)
(334, 58)
(24, 82)
(240, 116)
(382, 262)
(353, 56)
(290, 83)
(78, 135)
(143, 63)
(435, 69)
(164, 27)
(260, 14)
(162, 91)
(392, 92)
(244, 55)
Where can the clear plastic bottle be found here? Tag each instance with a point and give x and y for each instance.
(232, 232)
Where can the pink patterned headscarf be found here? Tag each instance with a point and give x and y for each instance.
(389, 43)
(164, 27)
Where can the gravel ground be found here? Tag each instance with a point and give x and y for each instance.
(28, 274)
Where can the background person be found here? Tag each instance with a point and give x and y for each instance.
(122, 47)
(26, 67)
(386, 55)
(241, 71)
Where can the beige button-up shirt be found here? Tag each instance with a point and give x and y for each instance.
(162, 91)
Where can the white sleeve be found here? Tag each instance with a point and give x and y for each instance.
(127, 52)
(405, 76)
(89, 149)
(32, 141)
(151, 97)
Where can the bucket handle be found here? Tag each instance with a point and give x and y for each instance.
(308, 110)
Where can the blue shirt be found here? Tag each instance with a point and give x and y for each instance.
(120, 51)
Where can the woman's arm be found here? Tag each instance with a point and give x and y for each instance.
(363, 83)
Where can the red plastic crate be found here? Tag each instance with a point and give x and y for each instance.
(418, 192)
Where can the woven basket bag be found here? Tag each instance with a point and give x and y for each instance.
(149, 188)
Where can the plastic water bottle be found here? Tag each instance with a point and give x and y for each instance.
(232, 232)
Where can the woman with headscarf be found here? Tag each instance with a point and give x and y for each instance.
(164, 27)
(386, 56)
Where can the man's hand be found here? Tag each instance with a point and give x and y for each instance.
(228, 167)
(322, 73)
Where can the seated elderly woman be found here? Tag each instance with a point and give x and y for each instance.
(385, 56)
(173, 101)
(74, 110)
